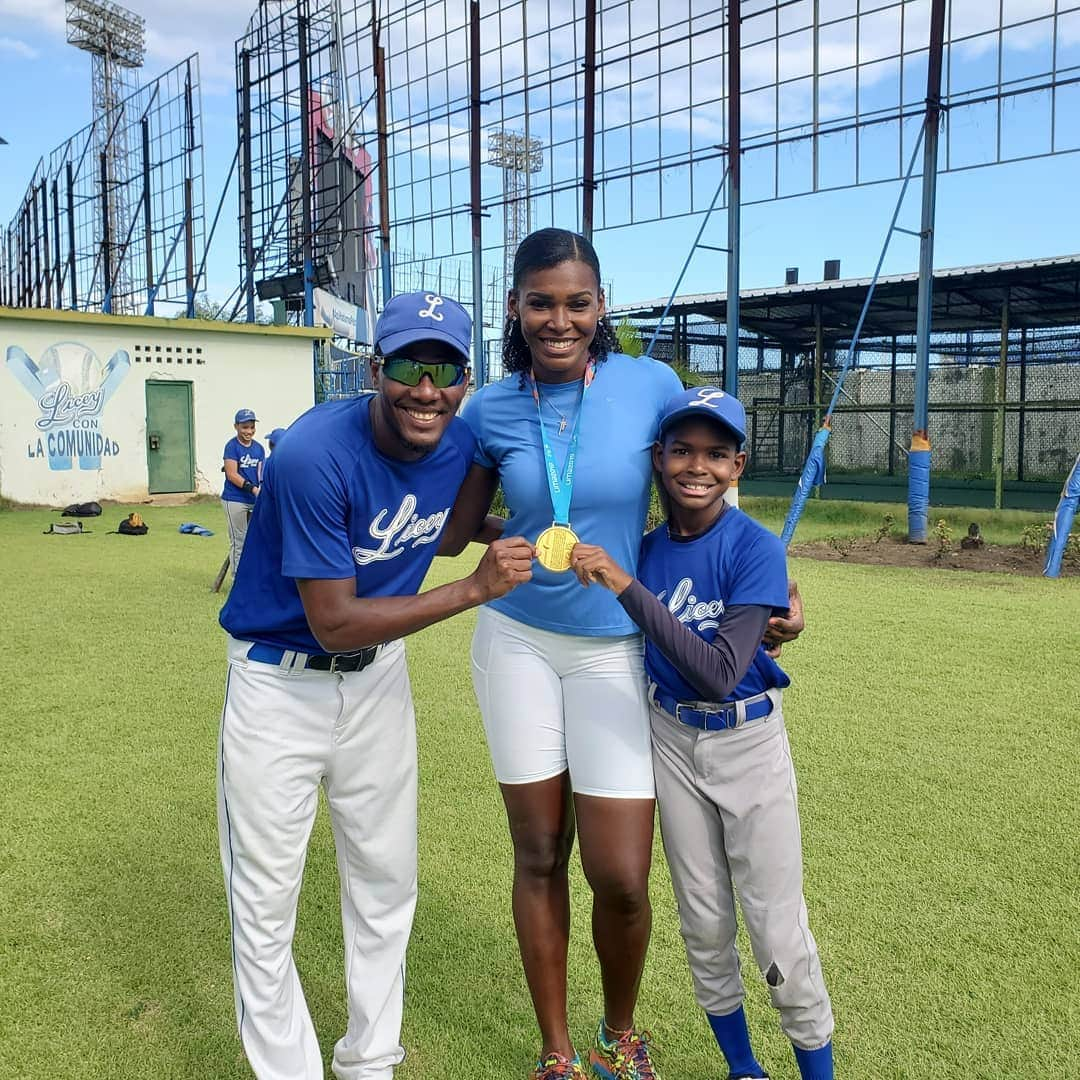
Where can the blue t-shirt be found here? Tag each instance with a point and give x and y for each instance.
(333, 506)
(736, 562)
(619, 422)
(248, 459)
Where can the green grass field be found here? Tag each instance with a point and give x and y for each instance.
(935, 718)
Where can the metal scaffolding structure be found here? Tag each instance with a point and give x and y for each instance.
(519, 157)
(636, 105)
(831, 94)
(115, 39)
(112, 219)
(306, 177)
(642, 109)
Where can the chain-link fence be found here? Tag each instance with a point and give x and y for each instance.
(1032, 409)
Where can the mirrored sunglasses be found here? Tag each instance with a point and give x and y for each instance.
(404, 369)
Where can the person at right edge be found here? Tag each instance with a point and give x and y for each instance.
(708, 581)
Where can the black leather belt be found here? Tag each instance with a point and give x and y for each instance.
(336, 662)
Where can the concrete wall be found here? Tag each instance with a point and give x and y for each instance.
(73, 396)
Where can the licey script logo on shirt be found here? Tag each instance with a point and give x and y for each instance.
(405, 529)
(686, 607)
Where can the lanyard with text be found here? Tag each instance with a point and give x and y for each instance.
(553, 545)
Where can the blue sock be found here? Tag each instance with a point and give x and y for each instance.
(733, 1038)
(815, 1064)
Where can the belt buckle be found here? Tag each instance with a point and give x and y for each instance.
(679, 705)
(359, 660)
(721, 719)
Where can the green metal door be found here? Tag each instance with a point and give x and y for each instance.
(170, 456)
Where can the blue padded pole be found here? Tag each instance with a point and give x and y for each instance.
(1063, 520)
(919, 458)
(813, 474)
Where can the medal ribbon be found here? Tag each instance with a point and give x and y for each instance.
(561, 487)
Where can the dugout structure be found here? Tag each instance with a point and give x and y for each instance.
(1004, 401)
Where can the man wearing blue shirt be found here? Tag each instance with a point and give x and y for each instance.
(352, 509)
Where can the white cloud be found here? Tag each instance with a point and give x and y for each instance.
(46, 14)
(208, 27)
(173, 32)
(19, 48)
(446, 143)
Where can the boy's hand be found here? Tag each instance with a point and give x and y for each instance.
(592, 563)
(781, 630)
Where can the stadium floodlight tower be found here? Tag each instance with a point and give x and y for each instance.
(116, 41)
(518, 156)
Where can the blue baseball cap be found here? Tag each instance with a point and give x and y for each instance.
(244, 415)
(423, 316)
(710, 402)
(275, 435)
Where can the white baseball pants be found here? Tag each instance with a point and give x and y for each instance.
(730, 821)
(283, 733)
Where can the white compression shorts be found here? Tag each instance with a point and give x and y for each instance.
(556, 702)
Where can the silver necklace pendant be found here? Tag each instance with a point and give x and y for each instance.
(562, 418)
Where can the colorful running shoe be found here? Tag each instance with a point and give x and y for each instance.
(557, 1067)
(624, 1058)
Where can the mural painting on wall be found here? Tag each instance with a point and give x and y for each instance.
(71, 387)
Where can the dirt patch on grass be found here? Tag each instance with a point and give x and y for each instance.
(892, 551)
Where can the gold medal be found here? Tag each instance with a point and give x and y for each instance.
(553, 547)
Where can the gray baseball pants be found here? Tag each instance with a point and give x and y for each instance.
(730, 823)
(236, 514)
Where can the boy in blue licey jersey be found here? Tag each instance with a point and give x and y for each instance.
(709, 579)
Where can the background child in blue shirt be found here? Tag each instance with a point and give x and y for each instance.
(242, 465)
(708, 581)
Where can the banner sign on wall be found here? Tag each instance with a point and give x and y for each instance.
(345, 319)
(71, 388)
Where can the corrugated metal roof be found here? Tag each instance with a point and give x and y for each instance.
(804, 288)
(1040, 292)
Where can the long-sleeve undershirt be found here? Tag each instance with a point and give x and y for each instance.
(713, 668)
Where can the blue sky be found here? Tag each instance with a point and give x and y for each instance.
(1017, 211)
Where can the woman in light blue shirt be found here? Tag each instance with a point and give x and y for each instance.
(558, 669)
